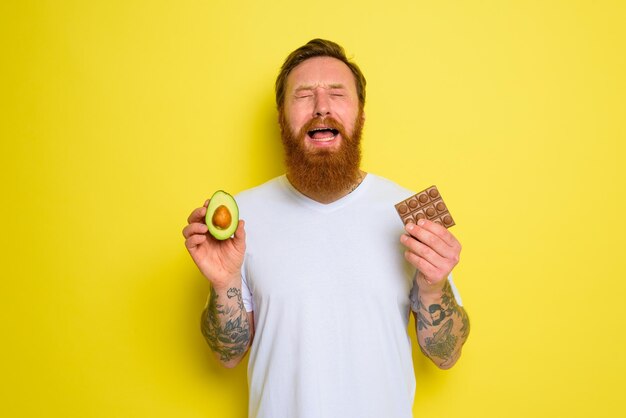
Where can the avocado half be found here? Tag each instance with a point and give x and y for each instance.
(222, 215)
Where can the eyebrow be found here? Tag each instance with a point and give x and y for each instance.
(311, 87)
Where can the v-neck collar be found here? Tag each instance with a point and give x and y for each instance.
(325, 207)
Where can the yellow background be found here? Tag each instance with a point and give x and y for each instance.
(119, 117)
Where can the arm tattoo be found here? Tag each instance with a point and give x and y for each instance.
(225, 326)
(444, 326)
(443, 342)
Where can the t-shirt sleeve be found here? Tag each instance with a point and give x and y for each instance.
(455, 292)
(246, 294)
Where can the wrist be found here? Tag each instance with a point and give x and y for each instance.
(223, 285)
(431, 292)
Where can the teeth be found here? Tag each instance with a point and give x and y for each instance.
(330, 138)
(325, 139)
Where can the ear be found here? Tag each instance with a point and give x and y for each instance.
(281, 115)
(282, 123)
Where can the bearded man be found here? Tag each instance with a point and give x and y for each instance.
(314, 282)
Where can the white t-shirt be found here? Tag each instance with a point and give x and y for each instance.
(329, 287)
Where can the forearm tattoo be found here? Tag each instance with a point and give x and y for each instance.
(225, 326)
(442, 327)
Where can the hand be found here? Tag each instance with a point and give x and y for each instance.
(219, 261)
(433, 250)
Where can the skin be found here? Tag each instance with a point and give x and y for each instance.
(317, 88)
(225, 324)
(442, 325)
(320, 87)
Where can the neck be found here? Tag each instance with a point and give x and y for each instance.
(326, 197)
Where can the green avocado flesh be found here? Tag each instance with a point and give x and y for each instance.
(222, 215)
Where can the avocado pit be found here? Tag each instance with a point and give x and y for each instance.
(221, 217)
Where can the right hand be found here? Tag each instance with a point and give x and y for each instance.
(219, 261)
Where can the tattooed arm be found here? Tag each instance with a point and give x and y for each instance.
(442, 325)
(226, 326)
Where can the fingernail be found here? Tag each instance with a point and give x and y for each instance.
(410, 226)
(420, 222)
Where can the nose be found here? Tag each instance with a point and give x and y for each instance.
(322, 105)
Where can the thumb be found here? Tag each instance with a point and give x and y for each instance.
(240, 236)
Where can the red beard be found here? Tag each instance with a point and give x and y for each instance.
(323, 171)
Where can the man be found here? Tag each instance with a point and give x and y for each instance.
(315, 282)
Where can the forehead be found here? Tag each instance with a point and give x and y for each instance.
(321, 72)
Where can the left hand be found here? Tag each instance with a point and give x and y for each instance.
(433, 250)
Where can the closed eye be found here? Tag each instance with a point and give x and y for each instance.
(337, 92)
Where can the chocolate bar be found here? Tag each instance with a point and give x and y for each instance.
(426, 204)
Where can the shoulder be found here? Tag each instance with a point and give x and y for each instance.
(267, 190)
(264, 200)
(385, 189)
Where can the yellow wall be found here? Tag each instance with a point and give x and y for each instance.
(119, 117)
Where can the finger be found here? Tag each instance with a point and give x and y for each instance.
(424, 251)
(197, 215)
(240, 235)
(195, 240)
(194, 228)
(430, 239)
(446, 236)
(426, 268)
(441, 231)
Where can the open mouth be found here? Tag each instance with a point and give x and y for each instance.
(322, 134)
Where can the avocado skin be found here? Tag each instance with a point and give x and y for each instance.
(221, 198)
